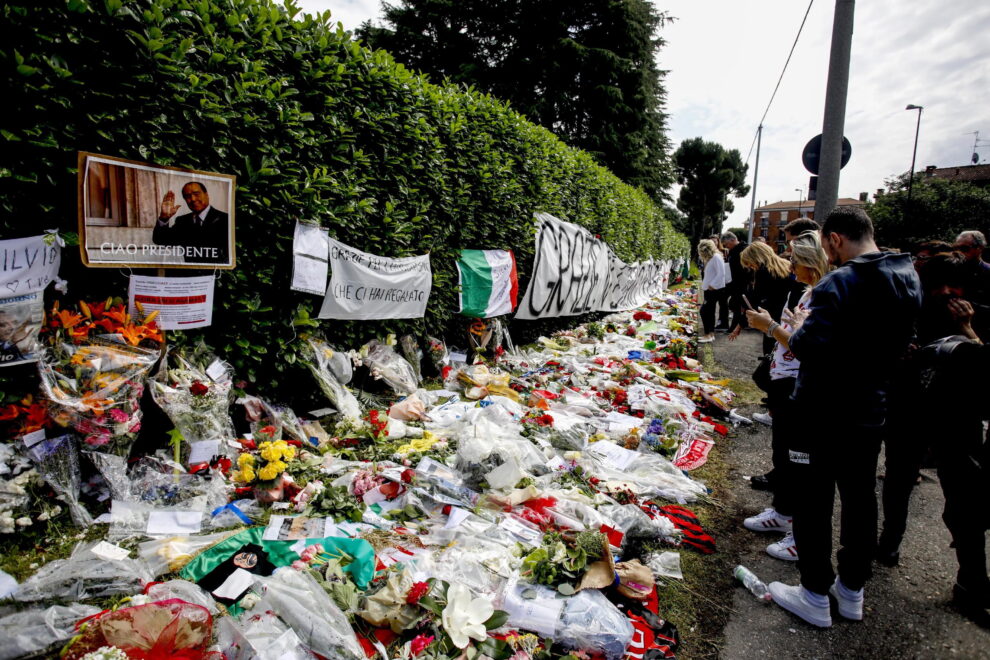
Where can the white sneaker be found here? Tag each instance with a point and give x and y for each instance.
(768, 521)
(706, 339)
(797, 600)
(784, 548)
(849, 608)
(763, 418)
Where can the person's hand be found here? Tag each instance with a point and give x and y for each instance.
(794, 317)
(169, 207)
(962, 311)
(735, 333)
(759, 319)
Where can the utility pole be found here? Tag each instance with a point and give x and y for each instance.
(835, 109)
(756, 173)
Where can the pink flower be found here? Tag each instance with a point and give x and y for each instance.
(419, 643)
(300, 565)
(118, 415)
(97, 440)
(311, 552)
(135, 428)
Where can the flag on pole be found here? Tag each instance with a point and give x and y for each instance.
(489, 286)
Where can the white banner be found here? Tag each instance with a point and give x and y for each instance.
(365, 286)
(569, 272)
(575, 273)
(182, 303)
(27, 265)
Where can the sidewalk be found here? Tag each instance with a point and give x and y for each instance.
(907, 610)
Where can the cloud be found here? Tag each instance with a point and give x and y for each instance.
(724, 58)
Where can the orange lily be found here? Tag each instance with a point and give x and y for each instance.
(132, 334)
(95, 404)
(8, 412)
(68, 319)
(119, 314)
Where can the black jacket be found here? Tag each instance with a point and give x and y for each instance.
(740, 276)
(861, 321)
(184, 233)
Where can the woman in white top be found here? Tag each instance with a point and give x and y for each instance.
(809, 263)
(713, 283)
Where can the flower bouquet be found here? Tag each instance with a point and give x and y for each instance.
(93, 371)
(435, 619)
(332, 370)
(194, 390)
(264, 469)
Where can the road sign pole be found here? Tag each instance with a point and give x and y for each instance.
(835, 109)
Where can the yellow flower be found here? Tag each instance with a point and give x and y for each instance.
(288, 453)
(270, 451)
(245, 474)
(245, 459)
(278, 465)
(268, 472)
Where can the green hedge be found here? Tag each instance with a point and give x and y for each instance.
(315, 127)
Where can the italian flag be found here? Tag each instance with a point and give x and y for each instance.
(489, 286)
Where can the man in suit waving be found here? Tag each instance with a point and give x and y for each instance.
(200, 236)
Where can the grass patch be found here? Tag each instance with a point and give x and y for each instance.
(39, 545)
(697, 605)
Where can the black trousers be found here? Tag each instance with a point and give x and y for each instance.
(712, 298)
(843, 456)
(905, 444)
(786, 438)
(963, 460)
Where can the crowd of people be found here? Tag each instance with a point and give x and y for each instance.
(858, 340)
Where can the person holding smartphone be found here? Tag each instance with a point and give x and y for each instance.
(788, 455)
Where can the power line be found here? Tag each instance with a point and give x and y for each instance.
(781, 78)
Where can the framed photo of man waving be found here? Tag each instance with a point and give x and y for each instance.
(148, 216)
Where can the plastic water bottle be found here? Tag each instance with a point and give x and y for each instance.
(753, 583)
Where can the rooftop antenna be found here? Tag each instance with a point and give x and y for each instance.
(977, 143)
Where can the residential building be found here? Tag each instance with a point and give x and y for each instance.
(770, 219)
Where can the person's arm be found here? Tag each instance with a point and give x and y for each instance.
(762, 321)
(819, 329)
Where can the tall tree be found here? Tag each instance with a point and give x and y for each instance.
(708, 174)
(585, 69)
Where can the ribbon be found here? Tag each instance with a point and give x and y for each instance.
(233, 509)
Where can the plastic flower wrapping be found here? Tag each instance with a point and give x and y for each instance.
(94, 369)
(490, 513)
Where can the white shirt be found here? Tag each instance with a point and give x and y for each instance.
(784, 364)
(714, 275)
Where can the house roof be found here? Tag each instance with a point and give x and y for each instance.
(973, 173)
(807, 205)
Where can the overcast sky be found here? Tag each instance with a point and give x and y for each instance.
(724, 57)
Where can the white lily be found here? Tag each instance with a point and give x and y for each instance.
(464, 618)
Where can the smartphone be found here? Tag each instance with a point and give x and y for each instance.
(746, 302)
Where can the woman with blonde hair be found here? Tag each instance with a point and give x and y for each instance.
(713, 286)
(773, 286)
(809, 263)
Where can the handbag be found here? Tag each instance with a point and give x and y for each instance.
(761, 376)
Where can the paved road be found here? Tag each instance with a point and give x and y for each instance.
(907, 609)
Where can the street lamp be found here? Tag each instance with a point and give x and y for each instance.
(800, 192)
(914, 154)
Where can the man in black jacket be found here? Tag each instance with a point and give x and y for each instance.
(198, 237)
(860, 323)
(740, 277)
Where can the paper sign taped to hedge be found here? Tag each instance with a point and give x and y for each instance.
(489, 286)
(182, 303)
(310, 247)
(365, 286)
(27, 265)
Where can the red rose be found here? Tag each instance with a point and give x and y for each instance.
(198, 388)
(417, 591)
